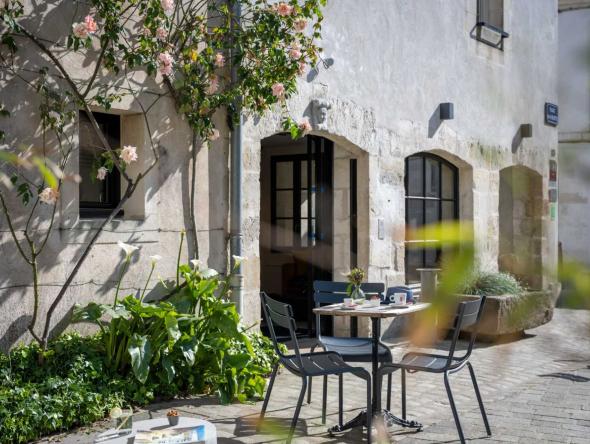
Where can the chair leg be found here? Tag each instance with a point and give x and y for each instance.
(267, 396)
(403, 393)
(297, 409)
(340, 400)
(324, 399)
(479, 400)
(309, 390)
(369, 415)
(454, 409)
(389, 392)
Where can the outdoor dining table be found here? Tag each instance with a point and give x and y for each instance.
(376, 314)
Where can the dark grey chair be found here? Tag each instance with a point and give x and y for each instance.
(468, 314)
(351, 349)
(305, 365)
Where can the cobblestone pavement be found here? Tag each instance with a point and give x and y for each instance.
(536, 389)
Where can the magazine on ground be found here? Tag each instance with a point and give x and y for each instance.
(181, 435)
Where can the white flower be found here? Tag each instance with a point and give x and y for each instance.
(128, 249)
(54, 116)
(238, 260)
(213, 135)
(209, 273)
(196, 263)
(49, 195)
(128, 154)
(116, 412)
(167, 5)
(80, 30)
(155, 259)
(101, 173)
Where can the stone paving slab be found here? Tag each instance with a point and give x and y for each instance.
(536, 389)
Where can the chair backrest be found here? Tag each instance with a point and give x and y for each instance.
(328, 292)
(279, 314)
(468, 315)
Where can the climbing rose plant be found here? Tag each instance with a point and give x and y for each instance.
(188, 47)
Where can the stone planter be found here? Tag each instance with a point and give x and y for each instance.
(513, 313)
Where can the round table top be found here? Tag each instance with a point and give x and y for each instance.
(158, 424)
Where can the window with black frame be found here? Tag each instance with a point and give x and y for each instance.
(98, 197)
(431, 197)
(490, 23)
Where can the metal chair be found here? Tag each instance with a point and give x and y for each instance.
(468, 314)
(305, 365)
(350, 349)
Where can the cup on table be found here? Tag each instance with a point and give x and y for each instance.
(399, 298)
(348, 302)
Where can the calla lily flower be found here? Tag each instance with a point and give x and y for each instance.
(196, 263)
(128, 249)
(238, 259)
(209, 273)
(155, 259)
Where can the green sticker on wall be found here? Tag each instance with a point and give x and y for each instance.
(553, 211)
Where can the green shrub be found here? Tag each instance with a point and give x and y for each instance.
(489, 284)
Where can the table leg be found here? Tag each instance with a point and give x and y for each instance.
(376, 336)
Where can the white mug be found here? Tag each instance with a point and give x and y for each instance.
(399, 298)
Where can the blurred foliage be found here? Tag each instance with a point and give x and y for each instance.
(489, 284)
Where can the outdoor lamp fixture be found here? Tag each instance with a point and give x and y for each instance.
(490, 34)
(526, 130)
(446, 111)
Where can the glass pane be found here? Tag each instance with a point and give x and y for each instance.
(432, 212)
(284, 233)
(448, 182)
(312, 236)
(312, 172)
(413, 261)
(415, 216)
(284, 203)
(304, 174)
(90, 190)
(303, 203)
(448, 211)
(414, 177)
(284, 174)
(432, 177)
(304, 233)
(431, 258)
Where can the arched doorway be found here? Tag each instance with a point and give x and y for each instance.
(296, 220)
(521, 224)
(432, 196)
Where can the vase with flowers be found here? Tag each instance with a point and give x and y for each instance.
(355, 277)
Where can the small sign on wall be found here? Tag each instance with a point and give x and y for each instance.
(551, 114)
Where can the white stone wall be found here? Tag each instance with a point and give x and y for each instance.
(574, 133)
(390, 64)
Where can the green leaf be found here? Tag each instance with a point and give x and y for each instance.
(188, 350)
(91, 313)
(140, 350)
(47, 174)
(169, 367)
(172, 327)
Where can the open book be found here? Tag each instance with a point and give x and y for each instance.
(183, 435)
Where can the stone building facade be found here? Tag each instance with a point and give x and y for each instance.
(339, 197)
(574, 129)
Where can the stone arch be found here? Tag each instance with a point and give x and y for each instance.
(521, 224)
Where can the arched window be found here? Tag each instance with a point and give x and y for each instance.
(431, 197)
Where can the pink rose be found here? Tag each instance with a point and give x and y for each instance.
(101, 173)
(305, 126)
(284, 9)
(165, 62)
(147, 32)
(213, 85)
(219, 60)
(49, 195)
(80, 30)
(300, 25)
(213, 135)
(295, 53)
(278, 90)
(301, 69)
(167, 5)
(128, 154)
(161, 34)
(91, 25)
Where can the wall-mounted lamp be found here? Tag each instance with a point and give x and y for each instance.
(447, 111)
(526, 130)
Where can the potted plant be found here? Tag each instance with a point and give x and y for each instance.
(355, 277)
(173, 417)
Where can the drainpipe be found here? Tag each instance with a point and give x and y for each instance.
(236, 180)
